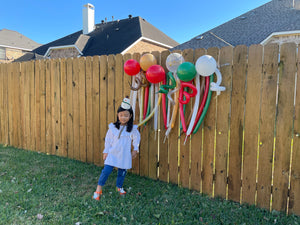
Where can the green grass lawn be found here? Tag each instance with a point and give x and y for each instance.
(36, 188)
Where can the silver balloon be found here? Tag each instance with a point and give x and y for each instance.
(173, 61)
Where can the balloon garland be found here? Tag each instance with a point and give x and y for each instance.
(153, 87)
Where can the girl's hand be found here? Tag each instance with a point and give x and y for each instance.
(134, 154)
(105, 156)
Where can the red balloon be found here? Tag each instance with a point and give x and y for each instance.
(155, 74)
(186, 94)
(132, 67)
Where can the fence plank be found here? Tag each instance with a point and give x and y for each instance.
(126, 78)
(89, 110)
(82, 109)
(103, 102)
(5, 106)
(196, 141)
(184, 160)
(1, 101)
(5, 116)
(111, 107)
(144, 150)
(119, 80)
(21, 102)
(294, 203)
(96, 110)
(136, 161)
(222, 123)
(10, 97)
(53, 73)
(70, 112)
(119, 92)
(55, 95)
(63, 151)
(9, 103)
(16, 110)
(237, 122)
(209, 124)
(153, 145)
(32, 126)
(76, 109)
(48, 109)
(37, 124)
(27, 104)
(15, 95)
(163, 145)
(284, 124)
(251, 128)
(174, 148)
(267, 122)
(42, 95)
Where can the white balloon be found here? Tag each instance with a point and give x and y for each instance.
(196, 106)
(215, 86)
(173, 61)
(206, 65)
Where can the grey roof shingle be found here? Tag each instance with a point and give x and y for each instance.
(250, 28)
(110, 37)
(14, 39)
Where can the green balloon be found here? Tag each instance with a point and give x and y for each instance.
(186, 71)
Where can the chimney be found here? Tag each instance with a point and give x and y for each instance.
(88, 14)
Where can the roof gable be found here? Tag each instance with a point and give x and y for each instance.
(111, 37)
(151, 32)
(14, 39)
(250, 28)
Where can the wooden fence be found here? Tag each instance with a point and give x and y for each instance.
(247, 150)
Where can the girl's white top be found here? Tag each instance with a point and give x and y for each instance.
(119, 149)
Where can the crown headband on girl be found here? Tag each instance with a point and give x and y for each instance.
(126, 103)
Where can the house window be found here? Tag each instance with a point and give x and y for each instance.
(2, 53)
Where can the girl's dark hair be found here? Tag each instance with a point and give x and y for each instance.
(129, 123)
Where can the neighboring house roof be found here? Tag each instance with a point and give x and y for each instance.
(250, 28)
(13, 39)
(110, 38)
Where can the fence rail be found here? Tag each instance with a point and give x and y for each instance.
(246, 150)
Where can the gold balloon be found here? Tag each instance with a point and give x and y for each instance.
(147, 60)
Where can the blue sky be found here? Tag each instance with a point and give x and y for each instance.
(47, 20)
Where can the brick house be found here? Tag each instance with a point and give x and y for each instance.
(274, 22)
(130, 35)
(13, 45)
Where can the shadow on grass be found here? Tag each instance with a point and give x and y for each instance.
(36, 188)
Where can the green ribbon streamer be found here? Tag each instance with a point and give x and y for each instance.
(165, 88)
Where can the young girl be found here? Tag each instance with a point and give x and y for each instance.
(117, 152)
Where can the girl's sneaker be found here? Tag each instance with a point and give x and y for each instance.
(97, 195)
(121, 191)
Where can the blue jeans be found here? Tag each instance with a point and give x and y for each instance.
(107, 171)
